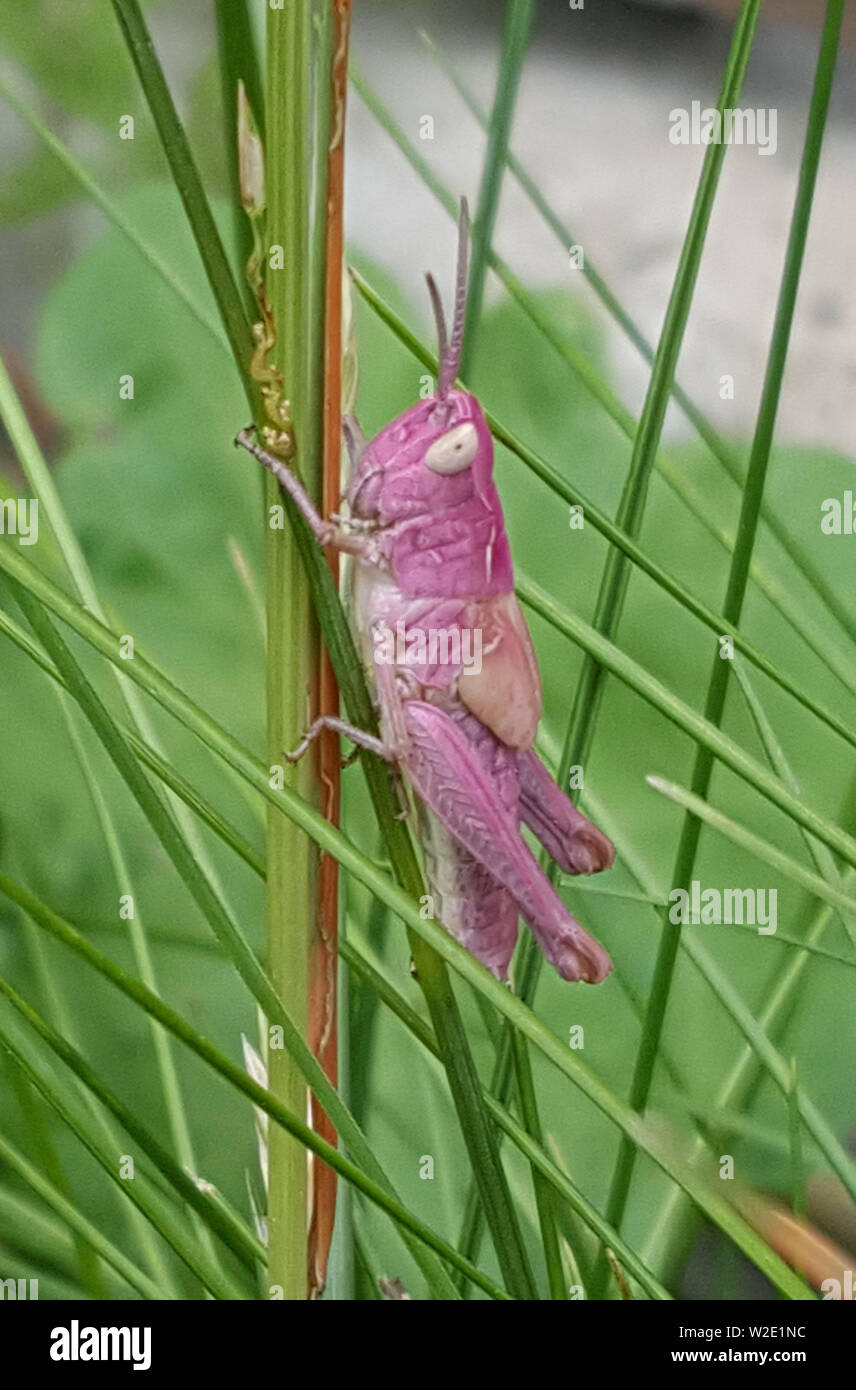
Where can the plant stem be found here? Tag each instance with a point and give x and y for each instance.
(292, 860)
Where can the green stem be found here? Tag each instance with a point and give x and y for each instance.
(292, 640)
(735, 594)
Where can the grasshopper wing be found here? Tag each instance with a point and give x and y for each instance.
(505, 693)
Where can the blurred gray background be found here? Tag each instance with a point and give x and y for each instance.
(592, 127)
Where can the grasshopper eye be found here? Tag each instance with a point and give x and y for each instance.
(453, 451)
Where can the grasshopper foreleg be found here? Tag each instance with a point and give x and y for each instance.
(325, 532)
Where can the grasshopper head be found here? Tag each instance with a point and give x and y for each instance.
(439, 453)
(435, 456)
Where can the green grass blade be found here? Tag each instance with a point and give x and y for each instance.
(161, 1216)
(631, 507)
(164, 1060)
(823, 860)
(188, 185)
(113, 212)
(737, 582)
(717, 446)
(53, 993)
(785, 939)
(543, 1194)
(519, 15)
(528, 1145)
(239, 1080)
(754, 844)
(238, 61)
(153, 760)
(88, 1267)
(78, 1223)
(216, 1216)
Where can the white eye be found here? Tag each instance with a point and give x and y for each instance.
(453, 451)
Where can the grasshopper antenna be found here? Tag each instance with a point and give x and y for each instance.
(440, 320)
(451, 359)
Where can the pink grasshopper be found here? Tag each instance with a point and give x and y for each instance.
(432, 560)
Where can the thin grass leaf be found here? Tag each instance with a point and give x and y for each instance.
(156, 763)
(824, 861)
(188, 185)
(46, 974)
(781, 938)
(754, 844)
(32, 1112)
(631, 507)
(162, 1217)
(29, 1228)
(78, 1223)
(217, 1216)
(164, 1060)
(237, 1077)
(519, 15)
(238, 63)
(544, 1199)
(114, 213)
(737, 583)
(717, 446)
